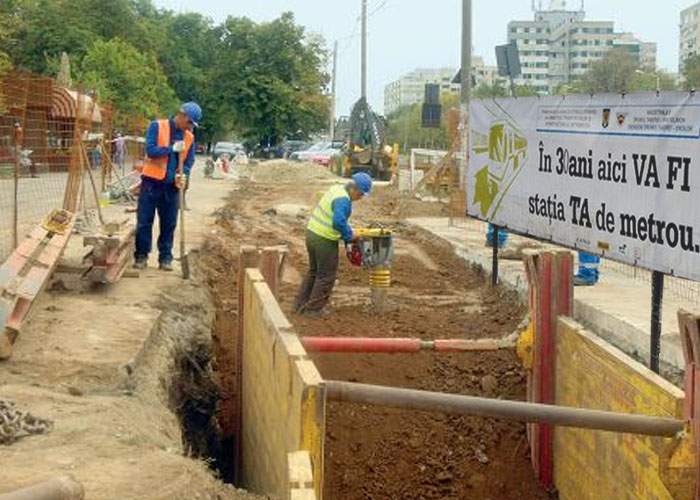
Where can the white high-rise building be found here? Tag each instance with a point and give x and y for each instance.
(410, 88)
(558, 46)
(689, 34)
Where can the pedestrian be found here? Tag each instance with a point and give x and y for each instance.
(588, 269)
(96, 154)
(120, 152)
(327, 225)
(166, 140)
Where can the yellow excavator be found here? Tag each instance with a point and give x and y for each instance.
(366, 149)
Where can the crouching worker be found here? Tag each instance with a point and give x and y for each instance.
(166, 141)
(328, 225)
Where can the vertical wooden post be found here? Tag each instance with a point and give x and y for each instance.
(551, 291)
(15, 200)
(689, 326)
(271, 265)
(248, 258)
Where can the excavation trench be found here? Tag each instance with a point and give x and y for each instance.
(177, 362)
(373, 452)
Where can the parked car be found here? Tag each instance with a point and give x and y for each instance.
(325, 156)
(230, 148)
(285, 149)
(200, 148)
(307, 154)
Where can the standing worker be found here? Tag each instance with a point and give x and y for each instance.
(166, 140)
(328, 225)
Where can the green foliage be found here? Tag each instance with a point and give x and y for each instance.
(268, 80)
(498, 89)
(485, 91)
(263, 81)
(405, 126)
(129, 79)
(613, 73)
(691, 72)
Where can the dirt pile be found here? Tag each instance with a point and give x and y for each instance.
(288, 172)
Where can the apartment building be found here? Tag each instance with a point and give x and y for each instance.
(559, 44)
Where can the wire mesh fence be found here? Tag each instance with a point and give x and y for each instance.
(57, 150)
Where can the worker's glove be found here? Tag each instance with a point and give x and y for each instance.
(181, 181)
(178, 146)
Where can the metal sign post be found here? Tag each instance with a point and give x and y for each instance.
(657, 297)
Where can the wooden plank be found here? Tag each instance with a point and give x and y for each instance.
(590, 465)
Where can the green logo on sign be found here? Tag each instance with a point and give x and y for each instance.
(501, 155)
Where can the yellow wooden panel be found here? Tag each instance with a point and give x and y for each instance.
(282, 412)
(593, 465)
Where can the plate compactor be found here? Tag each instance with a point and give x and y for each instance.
(374, 251)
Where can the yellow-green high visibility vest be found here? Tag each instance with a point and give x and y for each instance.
(321, 221)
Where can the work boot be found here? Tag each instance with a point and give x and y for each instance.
(166, 266)
(140, 264)
(318, 314)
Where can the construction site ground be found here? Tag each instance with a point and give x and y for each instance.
(618, 308)
(107, 366)
(376, 452)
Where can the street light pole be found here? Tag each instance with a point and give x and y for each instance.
(364, 49)
(331, 128)
(466, 52)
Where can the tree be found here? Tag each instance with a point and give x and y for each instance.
(614, 73)
(268, 80)
(131, 80)
(691, 72)
(405, 126)
(485, 90)
(42, 31)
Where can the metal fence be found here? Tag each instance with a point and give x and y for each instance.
(54, 143)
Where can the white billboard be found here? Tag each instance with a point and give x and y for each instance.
(614, 175)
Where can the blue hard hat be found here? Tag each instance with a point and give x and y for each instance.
(363, 182)
(193, 112)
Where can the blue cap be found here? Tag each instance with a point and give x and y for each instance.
(193, 112)
(363, 182)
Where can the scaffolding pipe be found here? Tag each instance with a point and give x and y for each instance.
(398, 345)
(495, 408)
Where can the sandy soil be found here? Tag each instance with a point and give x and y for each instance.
(375, 452)
(116, 430)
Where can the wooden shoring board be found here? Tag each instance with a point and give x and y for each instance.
(24, 275)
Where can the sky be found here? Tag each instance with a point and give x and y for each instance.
(409, 34)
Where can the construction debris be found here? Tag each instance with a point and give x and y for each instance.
(25, 273)
(111, 252)
(15, 423)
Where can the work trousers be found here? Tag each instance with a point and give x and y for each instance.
(316, 289)
(163, 198)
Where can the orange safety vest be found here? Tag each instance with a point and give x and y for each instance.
(156, 168)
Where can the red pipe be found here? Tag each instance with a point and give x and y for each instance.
(360, 344)
(394, 345)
